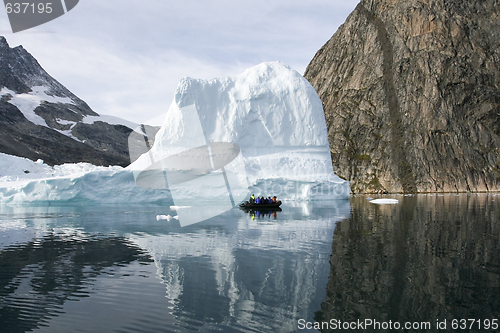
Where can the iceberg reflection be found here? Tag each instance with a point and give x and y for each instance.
(252, 275)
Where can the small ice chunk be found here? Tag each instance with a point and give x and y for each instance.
(163, 217)
(385, 201)
(178, 207)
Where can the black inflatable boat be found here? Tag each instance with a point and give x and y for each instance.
(262, 206)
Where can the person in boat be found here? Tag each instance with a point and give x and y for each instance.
(257, 201)
(275, 199)
(252, 199)
(269, 200)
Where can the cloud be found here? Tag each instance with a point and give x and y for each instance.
(125, 57)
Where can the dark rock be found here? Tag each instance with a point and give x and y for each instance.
(20, 137)
(411, 96)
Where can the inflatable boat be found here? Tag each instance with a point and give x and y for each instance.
(262, 206)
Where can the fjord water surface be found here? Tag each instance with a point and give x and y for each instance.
(430, 259)
(119, 269)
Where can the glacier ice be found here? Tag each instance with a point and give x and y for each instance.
(270, 113)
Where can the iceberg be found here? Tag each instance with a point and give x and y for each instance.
(270, 113)
(261, 132)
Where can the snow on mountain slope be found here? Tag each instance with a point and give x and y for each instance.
(28, 102)
(110, 120)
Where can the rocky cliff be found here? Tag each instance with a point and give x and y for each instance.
(411, 93)
(40, 118)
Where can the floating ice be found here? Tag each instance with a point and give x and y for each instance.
(384, 201)
(179, 207)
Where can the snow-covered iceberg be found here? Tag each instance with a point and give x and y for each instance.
(260, 132)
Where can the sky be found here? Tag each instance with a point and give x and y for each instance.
(126, 57)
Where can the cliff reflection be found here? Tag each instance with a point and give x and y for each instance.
(427, 258)
(238, 274)
(39, 276)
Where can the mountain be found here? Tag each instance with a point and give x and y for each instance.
(41, 119)
(411, 93)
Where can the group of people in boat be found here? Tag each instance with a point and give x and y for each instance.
(262, 200)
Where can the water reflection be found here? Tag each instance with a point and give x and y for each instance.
(270, 213)
(237, 273)
(39, 276)
(428, 258)
(230, 273)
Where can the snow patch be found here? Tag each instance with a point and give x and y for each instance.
(27, 103)
(66, 122)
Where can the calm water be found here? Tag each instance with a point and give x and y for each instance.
(429, 259)
(118, 269)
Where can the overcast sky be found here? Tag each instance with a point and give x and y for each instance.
(125, 57)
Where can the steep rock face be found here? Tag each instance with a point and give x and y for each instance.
(40, 118)
(411, 93)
